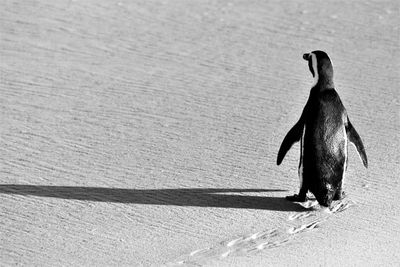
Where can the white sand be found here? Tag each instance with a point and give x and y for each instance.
(146, 132)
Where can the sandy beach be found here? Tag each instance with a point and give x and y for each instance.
(145, 133)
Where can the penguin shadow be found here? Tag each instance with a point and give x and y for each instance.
(191, 197)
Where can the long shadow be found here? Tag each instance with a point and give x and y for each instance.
(197, 197)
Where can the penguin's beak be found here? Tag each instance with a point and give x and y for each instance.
(306, 56)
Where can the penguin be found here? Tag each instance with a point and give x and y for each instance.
(324, 131)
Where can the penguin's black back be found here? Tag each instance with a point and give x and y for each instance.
(324, 141)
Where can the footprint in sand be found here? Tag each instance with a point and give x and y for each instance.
(272, 244)
(238, 246)
(256, 242)
(262, 240)
(301, 215)
(251, 242)
(235, 241)
(250, 239)
(341, 206)
(337, 207)
(198, 251)
(304, 227)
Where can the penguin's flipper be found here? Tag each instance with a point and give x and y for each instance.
(293, 136)
(353, 136)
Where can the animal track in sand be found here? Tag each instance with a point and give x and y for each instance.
(272, 244)
(239, 246)
(338, 207)
(300, 215)
(267, 239)
(198, 251)
(303, 227)
(341, 206)
(243, 241)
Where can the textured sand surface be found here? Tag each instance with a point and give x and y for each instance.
(146, 132)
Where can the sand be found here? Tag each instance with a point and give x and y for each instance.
(145, 133)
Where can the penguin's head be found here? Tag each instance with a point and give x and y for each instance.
(320, 66)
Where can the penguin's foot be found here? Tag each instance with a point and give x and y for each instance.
(339, 195)
(297, 198)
